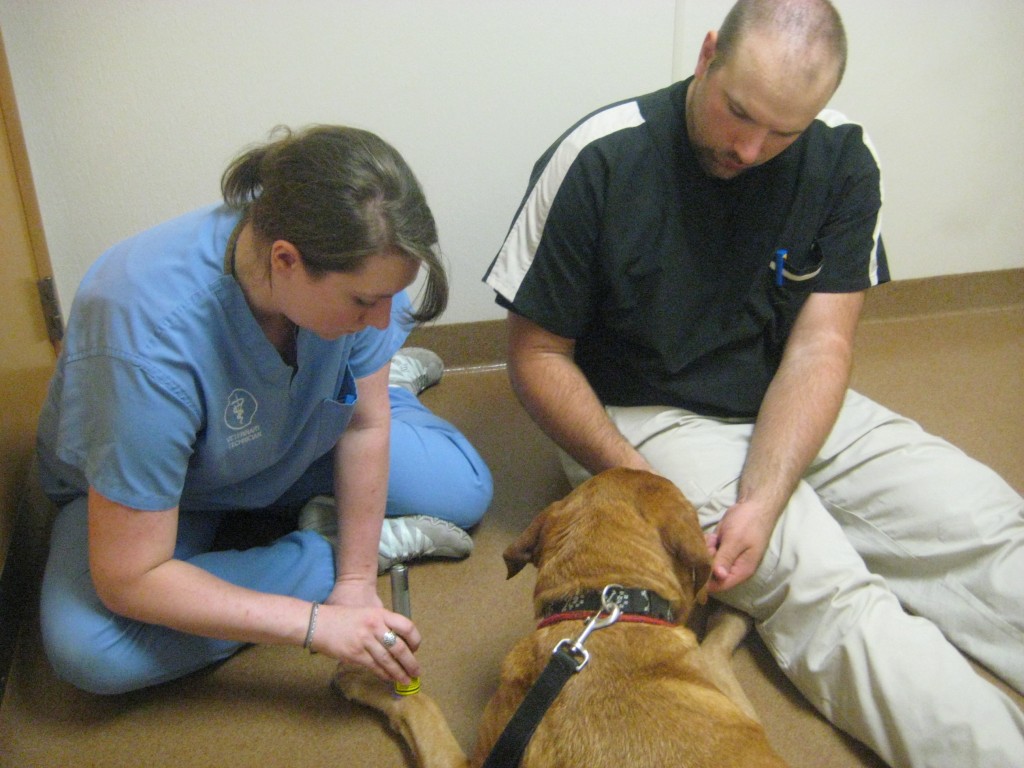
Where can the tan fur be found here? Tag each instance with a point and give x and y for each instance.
(650, 695)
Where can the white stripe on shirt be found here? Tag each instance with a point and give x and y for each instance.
(833, 119)
(520, 246)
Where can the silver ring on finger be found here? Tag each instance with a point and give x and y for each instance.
(388, 639)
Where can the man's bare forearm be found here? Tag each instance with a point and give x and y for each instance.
(556, 394)
(802, 403)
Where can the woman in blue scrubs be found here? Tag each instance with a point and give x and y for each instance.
(237, 358)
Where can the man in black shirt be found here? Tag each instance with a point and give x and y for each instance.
(684, 279)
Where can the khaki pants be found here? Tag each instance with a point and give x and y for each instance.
(894, 548)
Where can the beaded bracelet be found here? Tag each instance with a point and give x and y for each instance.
(308, 642)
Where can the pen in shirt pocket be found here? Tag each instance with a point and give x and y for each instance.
(780, 265)
(784, 271)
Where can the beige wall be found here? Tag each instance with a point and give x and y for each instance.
(131, 109)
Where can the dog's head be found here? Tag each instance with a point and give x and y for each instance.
(623, 526)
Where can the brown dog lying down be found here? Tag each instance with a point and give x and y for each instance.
(649, 695)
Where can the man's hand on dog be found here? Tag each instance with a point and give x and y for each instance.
(738, 544)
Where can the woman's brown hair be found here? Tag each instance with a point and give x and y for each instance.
(339, 195)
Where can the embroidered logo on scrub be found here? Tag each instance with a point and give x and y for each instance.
(238, 417)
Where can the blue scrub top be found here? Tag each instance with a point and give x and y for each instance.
(167, 391)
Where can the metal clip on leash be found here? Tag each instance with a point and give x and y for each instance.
(605, 617)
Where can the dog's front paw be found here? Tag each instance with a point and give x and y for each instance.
(360, 685)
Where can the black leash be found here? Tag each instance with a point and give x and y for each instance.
(509, 748)
(568, 658)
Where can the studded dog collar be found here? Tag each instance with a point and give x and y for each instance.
(632, 601)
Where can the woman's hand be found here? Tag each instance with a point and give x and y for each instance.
(356, 634)
(355, 593)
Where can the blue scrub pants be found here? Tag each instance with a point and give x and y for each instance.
(434, 471)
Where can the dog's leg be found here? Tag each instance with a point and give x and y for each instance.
(726, 628)
(416, 718)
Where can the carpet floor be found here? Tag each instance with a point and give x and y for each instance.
(958, 373)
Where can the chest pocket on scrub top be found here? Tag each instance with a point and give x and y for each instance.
(334, 415)
(794, 276)
(796, 272)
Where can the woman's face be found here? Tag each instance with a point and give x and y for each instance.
(340, 303)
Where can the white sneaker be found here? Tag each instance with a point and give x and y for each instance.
(415, 369)
(414, 536)
(320, 515)
(401, 538)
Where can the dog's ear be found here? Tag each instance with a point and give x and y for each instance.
(700, 584)
(685, 542)
(682, 538)
(522, 550)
